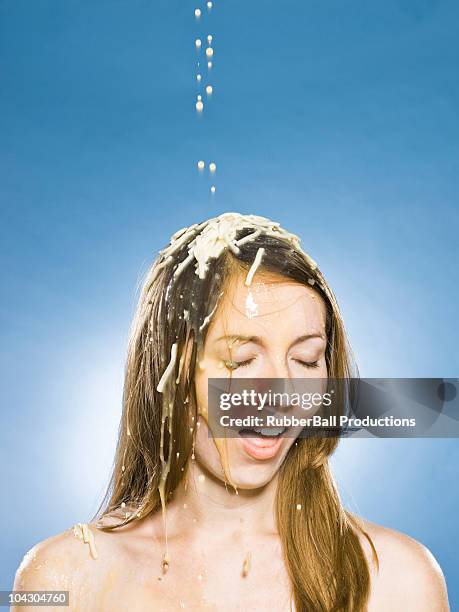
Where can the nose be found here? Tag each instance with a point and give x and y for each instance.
(276, 367)
(277, 371)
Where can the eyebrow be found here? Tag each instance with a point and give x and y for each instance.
(258, 340)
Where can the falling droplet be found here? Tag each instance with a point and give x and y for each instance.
(123, 504)
(198, 43)
(201, 478)
(209, 90)
(212, 167)
(209, 65)
(212, 189)
(198, 78)
(201, 164)
(199, 106)
(298, 506)
(197, 13)
(199, 98)
(246, 565)
(166, 562)
(209, 52)
(209, 5)
(209, 38)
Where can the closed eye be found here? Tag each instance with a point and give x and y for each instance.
(308, 364)
(234, 365)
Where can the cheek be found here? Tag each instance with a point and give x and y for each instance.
(205, 370)
(206, 452)
(204, 446)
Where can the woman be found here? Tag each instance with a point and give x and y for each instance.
(196, 522)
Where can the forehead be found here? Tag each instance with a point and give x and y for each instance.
(271, 305)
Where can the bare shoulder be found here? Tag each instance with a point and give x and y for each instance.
(65, 562)
(408, 578)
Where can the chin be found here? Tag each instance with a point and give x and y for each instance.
(253, 476)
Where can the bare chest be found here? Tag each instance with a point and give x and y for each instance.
(224, 581)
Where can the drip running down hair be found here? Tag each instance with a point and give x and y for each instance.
(322, 548)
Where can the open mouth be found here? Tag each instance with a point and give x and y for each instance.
(262, 443)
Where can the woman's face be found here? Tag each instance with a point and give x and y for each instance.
(274, 328)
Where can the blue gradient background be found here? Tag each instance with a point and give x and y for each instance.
(340, 120)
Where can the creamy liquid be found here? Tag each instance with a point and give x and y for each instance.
(254, 266)
(83, 532)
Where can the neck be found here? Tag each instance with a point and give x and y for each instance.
(203, 502)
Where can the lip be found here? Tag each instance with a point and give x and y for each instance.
(261, 448)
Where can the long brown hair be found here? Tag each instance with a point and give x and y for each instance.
(324, 558)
